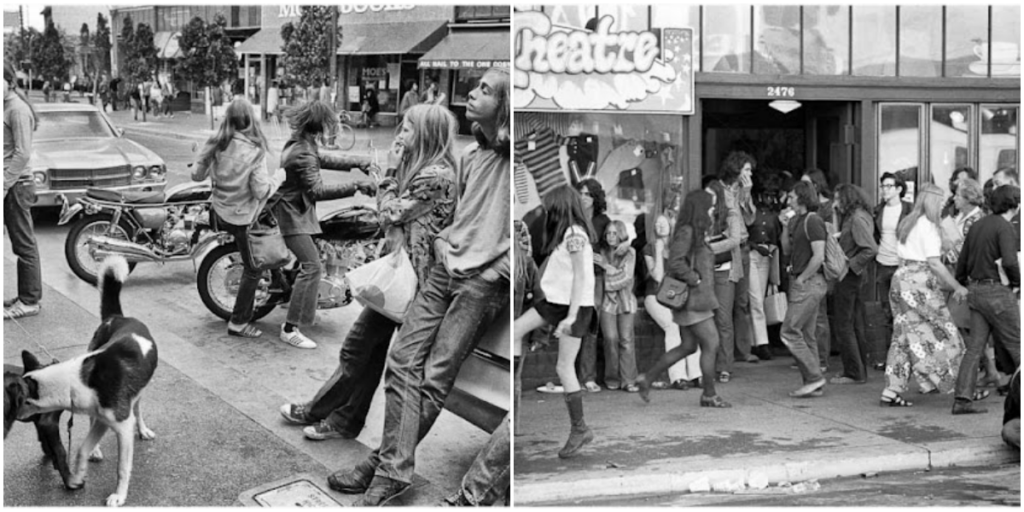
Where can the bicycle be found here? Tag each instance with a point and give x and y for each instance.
(344, 138)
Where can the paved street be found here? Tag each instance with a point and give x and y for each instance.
(214, 400)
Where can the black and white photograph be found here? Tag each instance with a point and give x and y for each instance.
(767, 255)
(287, 226)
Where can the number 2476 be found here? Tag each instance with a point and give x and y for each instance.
(780, 92)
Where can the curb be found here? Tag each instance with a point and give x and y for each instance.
(675, 478)
(164, 133)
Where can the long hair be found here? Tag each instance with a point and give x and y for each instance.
(850, 197)
(820, 182)
(311, 119)
(12, 81)
(596, 193)
(720, 222)
(503, 118)
(928, 205)
(694, 214)
(434, 131)
(620, 231)
(806, 195)
(732, 166)
(237, 119)
(564, 209)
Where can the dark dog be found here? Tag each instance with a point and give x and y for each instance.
(105, 383)
(16, 391)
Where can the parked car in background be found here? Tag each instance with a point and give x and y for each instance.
(76, 147)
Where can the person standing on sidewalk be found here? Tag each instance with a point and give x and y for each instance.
(295, 207)
(857, 239)
(926, 345)
(803, 239)
(417, 199)
(995, 307)
(888, 215)
(236, 161)
(618, 306)
(765, 245)
(465, 289)
(19, 195)
(594, 202)
(823, 329)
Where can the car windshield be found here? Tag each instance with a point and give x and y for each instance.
(72, 125)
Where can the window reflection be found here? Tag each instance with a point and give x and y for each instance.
(571, 15)
(1005, 51)
(874, 40)
(921, 41)
(970, 29)
(899, 141)
(664, 15)
(777, 40)
(726, 39)
(826, 39)
(629, 17)
(998, 141)
(949, 141)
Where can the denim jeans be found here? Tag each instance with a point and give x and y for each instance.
(242, 312)
(758, 287)
(742, 325)
(302, 308)
(18, 220)
(823, 330)
(995, 310)
(444, 323)
(797, 331)
(489, 477)
(345, 398)
(848, 299)
(725, 291)
(619, 347)
(883, 278)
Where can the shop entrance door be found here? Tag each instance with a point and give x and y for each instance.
(818, 134)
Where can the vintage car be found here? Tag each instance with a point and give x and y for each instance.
(75, 147)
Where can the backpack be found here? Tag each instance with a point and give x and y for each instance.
(836, 263)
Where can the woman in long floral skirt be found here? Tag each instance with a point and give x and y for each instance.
(926, 345)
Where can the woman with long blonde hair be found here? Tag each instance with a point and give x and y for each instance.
(235, 159)
(926, 344)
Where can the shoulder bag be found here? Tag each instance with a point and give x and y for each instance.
(267, 249)
(672, 293)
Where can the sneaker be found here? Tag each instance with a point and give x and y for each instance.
(323, 431)
(296, 413)
(19, 309)
(296, 339)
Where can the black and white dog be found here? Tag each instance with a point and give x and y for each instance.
(105, 383)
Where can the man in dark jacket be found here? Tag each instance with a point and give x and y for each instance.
(888, 215)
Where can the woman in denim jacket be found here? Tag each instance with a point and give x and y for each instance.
(294, 205)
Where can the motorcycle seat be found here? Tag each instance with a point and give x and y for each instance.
(129, 197)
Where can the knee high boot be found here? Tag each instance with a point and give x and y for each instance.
(580, 433)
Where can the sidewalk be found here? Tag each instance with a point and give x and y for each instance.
(665, 446)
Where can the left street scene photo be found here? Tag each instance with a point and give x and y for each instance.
(256, 255)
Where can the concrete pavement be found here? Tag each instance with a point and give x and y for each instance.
(667, 445)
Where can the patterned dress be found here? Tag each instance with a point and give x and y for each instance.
(422, 210)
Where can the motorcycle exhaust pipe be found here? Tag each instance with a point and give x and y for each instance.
(104, 246)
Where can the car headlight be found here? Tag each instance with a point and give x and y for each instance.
(156, 171)
(138, 172)
(40, 177)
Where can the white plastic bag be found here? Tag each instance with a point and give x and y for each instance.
(386, 285)
(775, 306)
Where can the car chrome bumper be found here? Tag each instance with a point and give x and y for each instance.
(55, 198)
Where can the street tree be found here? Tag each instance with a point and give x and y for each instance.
(139, 54)
(49, 56)
(101, 40)
(208, 59)
(307, 46)
(18, 48)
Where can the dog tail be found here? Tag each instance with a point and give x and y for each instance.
(113, 273)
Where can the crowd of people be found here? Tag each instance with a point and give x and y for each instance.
(744, 233)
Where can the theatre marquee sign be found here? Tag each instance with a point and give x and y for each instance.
(570, 68)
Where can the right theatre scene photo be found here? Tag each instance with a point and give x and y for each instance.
(766, 255)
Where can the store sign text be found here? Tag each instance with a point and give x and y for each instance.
(583, 51)
(294, 11)
(780, 91)
(375, 73)
(462, 64)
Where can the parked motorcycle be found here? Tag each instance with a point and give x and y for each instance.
(351, 237)
(161, 227)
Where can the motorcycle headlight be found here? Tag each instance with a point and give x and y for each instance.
(40, 178)
(138, 172)
(156, 171)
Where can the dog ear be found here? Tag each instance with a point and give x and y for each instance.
(29, 361)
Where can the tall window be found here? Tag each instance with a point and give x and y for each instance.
(899, 143)
(726, 39)
(874, 40)
(921, 40)
(826, 40)
(949, 141)
(776, 40)
(962, 38)
(998, 141)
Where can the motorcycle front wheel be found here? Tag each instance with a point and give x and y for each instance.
(220, 275)
(76, 246)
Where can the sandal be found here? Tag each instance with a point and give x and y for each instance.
(550, 387)
(893, 401)
(659, 384)
(714, 401)
(980, 394)
(247, 331)
(592, 387)
(724, 377)
(631, 388)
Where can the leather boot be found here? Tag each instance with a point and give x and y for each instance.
(580, 433)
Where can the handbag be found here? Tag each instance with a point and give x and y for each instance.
(672, 293)
(386, 285)
(267, 249)
(775, 306)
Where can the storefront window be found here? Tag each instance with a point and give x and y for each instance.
(874, 40)
(921, 40)
(637, 159)
(633, 18)
(665, 15)
(826, 39)
(380, 70)
(998, 141)
(571, 15)
(966, 28)
(949, 141)
(777, 40)
(465, 81)
(1005, 41)
(899, 143)
(726, 39)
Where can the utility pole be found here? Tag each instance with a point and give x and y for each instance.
(333, 57)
